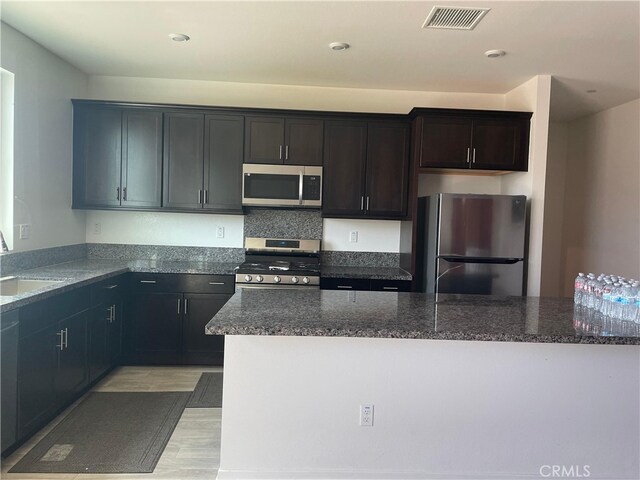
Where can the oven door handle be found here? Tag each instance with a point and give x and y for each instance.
(300, 187)
(277, 287)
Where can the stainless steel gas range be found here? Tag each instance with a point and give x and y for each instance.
(280, 263)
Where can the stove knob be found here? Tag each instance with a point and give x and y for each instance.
(247, 278)
(294, 279)
(305, 280)
(276, 279)
(259, 278)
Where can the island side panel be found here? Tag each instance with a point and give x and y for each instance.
(442, 408)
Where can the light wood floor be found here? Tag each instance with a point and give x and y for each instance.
(193, 452)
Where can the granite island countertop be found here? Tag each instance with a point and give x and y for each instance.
(332, 313)
(79, 273)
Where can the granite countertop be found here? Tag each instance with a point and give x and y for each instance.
(76, 274)
(403, 315)
(382, 273)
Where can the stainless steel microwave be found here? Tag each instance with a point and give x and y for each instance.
(281, 186)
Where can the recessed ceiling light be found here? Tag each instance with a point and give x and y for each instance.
(339, 46)
(495, 53)
(179, 37)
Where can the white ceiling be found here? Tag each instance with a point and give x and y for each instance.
(583, 44)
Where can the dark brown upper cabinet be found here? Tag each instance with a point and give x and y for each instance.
(183, 160)
(280, 140)
(203, 161)
(117, 157)
(366, 169)
(387, 177)
(345, 158)
(473, 140)
(223, 142)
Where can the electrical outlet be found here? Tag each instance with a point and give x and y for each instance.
(97, 228)
(353, 236)
(219, 232)
(366, 415)
(25, 230)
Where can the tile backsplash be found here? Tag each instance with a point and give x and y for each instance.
(12, 262)
(273, 223)
(164, 252)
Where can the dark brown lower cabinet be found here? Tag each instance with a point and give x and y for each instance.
(105, 326)
(52, 370)
(115, 331)
(155, 328)
(9, 330)
(72, 375)
(199, 348)
(37, 368)
(365, 284)
(98, 360)
(167, 327)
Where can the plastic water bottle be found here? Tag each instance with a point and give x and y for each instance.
(596, 294)
(579, 285)
(630, 293)
(636, 317)
(621, 300)
(586, 290)
(605, 306)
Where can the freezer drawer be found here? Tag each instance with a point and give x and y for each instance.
(479, 276)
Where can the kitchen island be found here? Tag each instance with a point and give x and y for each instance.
(462, 387)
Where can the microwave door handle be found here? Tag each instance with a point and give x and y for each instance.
(300, 187)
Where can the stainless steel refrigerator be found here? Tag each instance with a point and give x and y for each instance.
(471, 244)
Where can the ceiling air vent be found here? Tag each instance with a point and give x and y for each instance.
(456, 18)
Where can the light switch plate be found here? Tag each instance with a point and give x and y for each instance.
(25, 231)
(219, 232)
(353, 236)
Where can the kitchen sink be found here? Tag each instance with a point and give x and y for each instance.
(11, 286)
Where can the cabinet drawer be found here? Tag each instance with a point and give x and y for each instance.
(391, 285)
(47, 312)
(345, 284)
(155, 282)
(207, 283)
(107, 290)
(188, 283)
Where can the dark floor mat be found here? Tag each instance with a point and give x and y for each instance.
(208, 392)
(108, 432)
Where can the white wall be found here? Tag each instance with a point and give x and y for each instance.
(6, 155)
(373, 235)
(378, 235)
(44, 85)
(533, 96)
(552, 270)
(430, 183)
(200, 92)
(150, 228)
(602, 201)
(442, 409)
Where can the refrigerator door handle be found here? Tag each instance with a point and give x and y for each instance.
(500, 261)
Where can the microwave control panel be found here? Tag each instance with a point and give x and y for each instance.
(311, 187)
